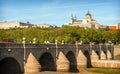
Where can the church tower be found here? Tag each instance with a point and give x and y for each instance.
(71, 19)
(75, 18)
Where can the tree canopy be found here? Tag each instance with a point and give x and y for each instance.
(69, 34)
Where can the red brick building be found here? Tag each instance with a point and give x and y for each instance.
(113, 27)
(118, 25)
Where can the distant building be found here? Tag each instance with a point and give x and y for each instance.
(44, 25)
(118, 25)
(102, 26)
(113, 26)
(8, 25)
(87, 22)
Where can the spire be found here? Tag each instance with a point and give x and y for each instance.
(71, 19)
(88, 13)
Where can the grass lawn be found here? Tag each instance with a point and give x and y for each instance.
(117, 57)
(104, 70)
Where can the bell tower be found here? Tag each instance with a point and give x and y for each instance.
(71, 19)
(75, 18)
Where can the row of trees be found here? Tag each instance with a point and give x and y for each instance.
(69, 34)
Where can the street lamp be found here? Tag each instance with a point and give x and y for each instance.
(56, 48)
(24, 40)
(34, 40)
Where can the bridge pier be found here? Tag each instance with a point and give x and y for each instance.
(94, 58)
(109, 55)
(62, 63)
(32, 66)
(81, 60)
(102, 55)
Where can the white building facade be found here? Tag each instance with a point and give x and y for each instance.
(8, 25)
(44, 25)
(87, 22)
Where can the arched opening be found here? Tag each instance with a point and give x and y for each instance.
(73, 63)
(87, 54)
(47, 62)
(98, 53)
(9, 66)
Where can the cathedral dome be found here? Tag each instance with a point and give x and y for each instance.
(88, 15)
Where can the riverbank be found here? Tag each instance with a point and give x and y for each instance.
(87, 71)
(83, 71)
(104, 70)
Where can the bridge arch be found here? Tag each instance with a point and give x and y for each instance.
(9, 65)
(73, 62)
(87, 54)
(47, 62)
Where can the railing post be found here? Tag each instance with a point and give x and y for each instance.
(24, 47)
(56, 46)
(112, 50)
(76, 44)
(34, 40)
(90, 50)
(107, 45)
(62, 42)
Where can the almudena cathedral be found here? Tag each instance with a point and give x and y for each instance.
(87, 22)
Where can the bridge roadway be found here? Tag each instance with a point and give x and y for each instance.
(13, 55)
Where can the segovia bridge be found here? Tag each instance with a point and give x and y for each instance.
(51, 57)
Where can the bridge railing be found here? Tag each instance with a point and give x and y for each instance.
(96, 47)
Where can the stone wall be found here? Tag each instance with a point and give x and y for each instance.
(106, 64)
(116, 50)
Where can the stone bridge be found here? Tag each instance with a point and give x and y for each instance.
(13, 56)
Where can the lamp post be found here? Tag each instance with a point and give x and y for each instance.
(76, 48)
(34, 40)
(24, 40)
(56, 48)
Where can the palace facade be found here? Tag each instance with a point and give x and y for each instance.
(8, 25)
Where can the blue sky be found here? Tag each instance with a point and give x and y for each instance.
(59, 11)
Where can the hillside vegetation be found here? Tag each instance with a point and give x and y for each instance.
(67, 33)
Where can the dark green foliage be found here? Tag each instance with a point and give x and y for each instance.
(69, 34)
